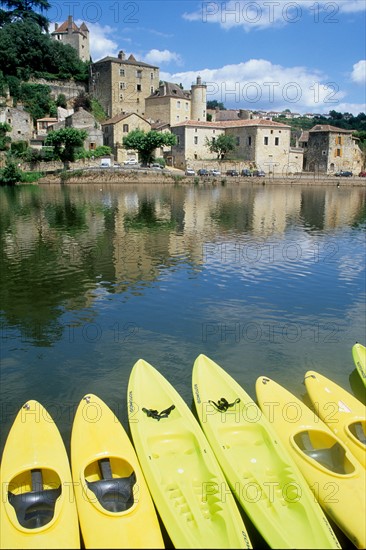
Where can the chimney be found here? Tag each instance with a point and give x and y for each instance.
(121, 55)
(56, 26)
(69, 24)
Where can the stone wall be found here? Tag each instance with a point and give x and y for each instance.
(69, 88)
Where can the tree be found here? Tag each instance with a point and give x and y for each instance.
(25, 10)
(221, 145)
(4, 139)
(214, 103)
(65, 142)
(10, 175)
(146, 142)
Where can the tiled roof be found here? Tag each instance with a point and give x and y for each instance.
(304, 137)
(329, 128)
(63, 28)
(128, 61)
(170, 89)
(233, 123)
(122, 116)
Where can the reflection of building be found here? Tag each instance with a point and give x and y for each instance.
(329, 149)
(121, 85)
(76, 37)
(271, 211)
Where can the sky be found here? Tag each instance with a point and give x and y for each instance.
(306, 56)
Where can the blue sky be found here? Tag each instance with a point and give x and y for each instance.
(305, 56)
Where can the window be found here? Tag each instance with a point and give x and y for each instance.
(271, 131)
(122, 85)
(125, 128)
(151, 76)
(324, 153)
(138, 73)
(249, 141)
(277, 141)
(138, 87)
(266, 140)
(121, 72)
(92, 146)
(185, 118)
(151, 89)
(237, 140)
(339, 140)
(186, 105)
(178, 140)
(195, 140)
(213, 140)
(121, 97)
(338, 153)
(177, 118)
(178, 104)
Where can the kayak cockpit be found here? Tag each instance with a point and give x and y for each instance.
(327, 451)
(357, 429)
(35, 508)
(115, 494)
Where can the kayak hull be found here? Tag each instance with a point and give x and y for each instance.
(112, 497)
(185, 480)
(341, 411)
(260, 471)
(38, 507)
(335, 476)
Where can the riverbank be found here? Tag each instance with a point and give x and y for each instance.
(170, 176)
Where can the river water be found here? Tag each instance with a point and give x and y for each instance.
(264, 279)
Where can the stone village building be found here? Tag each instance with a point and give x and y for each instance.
(328, 149)
(115, 128)
(76, 37)
(261, 143)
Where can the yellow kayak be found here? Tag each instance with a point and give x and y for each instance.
(342, 412)
(38, 507)
(335, 476)
(359, 357)
(184, 477)
(261, 473)
(114, 504)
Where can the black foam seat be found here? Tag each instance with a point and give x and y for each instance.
(114, 494)
(37, 507)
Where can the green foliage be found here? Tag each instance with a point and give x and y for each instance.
(221, 145)
(26, 51)
(101, 151)
(146, 142)
(18, 148)
(65, 176)
(213, 104)
(65, 142)
(37, 100)
(4, 139)
(61, 101)
(10, 175)
(24, 10)
(98, 111)
(30, 177)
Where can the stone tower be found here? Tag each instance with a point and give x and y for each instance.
(77, 37)
(198, 100)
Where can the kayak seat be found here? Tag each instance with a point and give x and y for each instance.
(37, 507)
(329, 457)
(357, 430)
(115, 494)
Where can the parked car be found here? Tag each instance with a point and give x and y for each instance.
(344, 174)
(362, 175)
(232, 173)
(259, 173)
(246, 172)
(190, 172)
(215, 172)
(156, 165)
(130, 162)
(202, 172)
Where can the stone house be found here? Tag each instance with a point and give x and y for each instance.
(171, 104)
(20, 121)
(263, 143)
(329, 149)
(116, 128)
(76, 37)
(83, 120)
(122, 85)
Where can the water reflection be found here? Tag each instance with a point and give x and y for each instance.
(62, 245)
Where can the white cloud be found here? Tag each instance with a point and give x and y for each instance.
(259, 84)
(358, 74)
(158, 57)
(262, 14)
